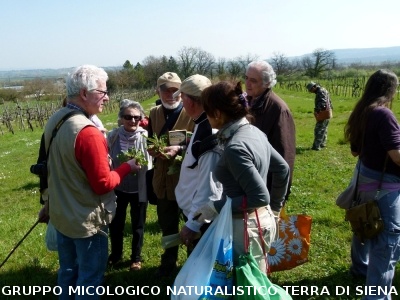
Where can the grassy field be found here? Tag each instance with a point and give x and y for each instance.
(319, 177)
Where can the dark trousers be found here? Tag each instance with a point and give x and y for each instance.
(138, 220)
(168, 213)
(203, 229)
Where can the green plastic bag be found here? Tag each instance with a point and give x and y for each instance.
(248, 274)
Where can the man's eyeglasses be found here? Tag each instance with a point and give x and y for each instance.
(102, 92)
(129, 118)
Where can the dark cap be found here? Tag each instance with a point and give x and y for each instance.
(311, 85)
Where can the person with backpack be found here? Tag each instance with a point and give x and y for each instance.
(81, 183)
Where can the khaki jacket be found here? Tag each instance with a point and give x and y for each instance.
(163, 184)
(75, 210)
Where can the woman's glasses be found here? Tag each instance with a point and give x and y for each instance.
(129, 118)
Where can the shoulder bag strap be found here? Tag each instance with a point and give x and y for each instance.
(59, 124)
(355, 202)
(381, 179)
(245, 217)
(246, 234)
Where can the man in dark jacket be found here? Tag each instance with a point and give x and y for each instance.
(271, 113)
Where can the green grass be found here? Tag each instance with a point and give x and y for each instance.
(318, 178)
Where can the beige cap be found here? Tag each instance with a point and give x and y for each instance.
(194, 85)
(168, 80)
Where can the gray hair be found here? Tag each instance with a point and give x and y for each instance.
(267, 72)
(127, 103)
(84, 77)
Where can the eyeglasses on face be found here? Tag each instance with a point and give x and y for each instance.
(102, 92)
(129, 118)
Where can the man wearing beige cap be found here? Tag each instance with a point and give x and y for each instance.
(196, 185)
(167, 84)
(170, 115)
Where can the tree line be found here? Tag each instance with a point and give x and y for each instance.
(320, 65)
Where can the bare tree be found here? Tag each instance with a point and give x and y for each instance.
(235, 69)
(319, 62)
(306, 63)
(153, 68)
(187, 61)
(220, 67)
(38, 87)
(119, 82)
(204, 62)
(243, 61)
(281, 64)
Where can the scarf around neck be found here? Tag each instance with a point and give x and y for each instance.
(229, 129)
(127, 139)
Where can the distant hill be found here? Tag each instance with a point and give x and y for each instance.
(364, 55)
(28, 74)
(42, 73)
(368, 55)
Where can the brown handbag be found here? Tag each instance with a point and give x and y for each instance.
(323, 115)
(365, 218)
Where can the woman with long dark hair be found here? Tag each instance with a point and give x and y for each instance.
(374, 136)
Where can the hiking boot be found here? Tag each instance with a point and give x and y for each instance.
(112, 260)
(164, 271)
(135, 266)
(356, 276)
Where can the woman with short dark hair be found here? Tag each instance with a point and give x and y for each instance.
(246, 159)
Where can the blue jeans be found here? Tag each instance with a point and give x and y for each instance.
(83, 262)
(377, 258)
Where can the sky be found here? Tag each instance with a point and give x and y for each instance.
(41, 34)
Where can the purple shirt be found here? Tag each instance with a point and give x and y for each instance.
(382, 135)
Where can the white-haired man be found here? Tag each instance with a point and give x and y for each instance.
(271, 113)
(80, 182)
